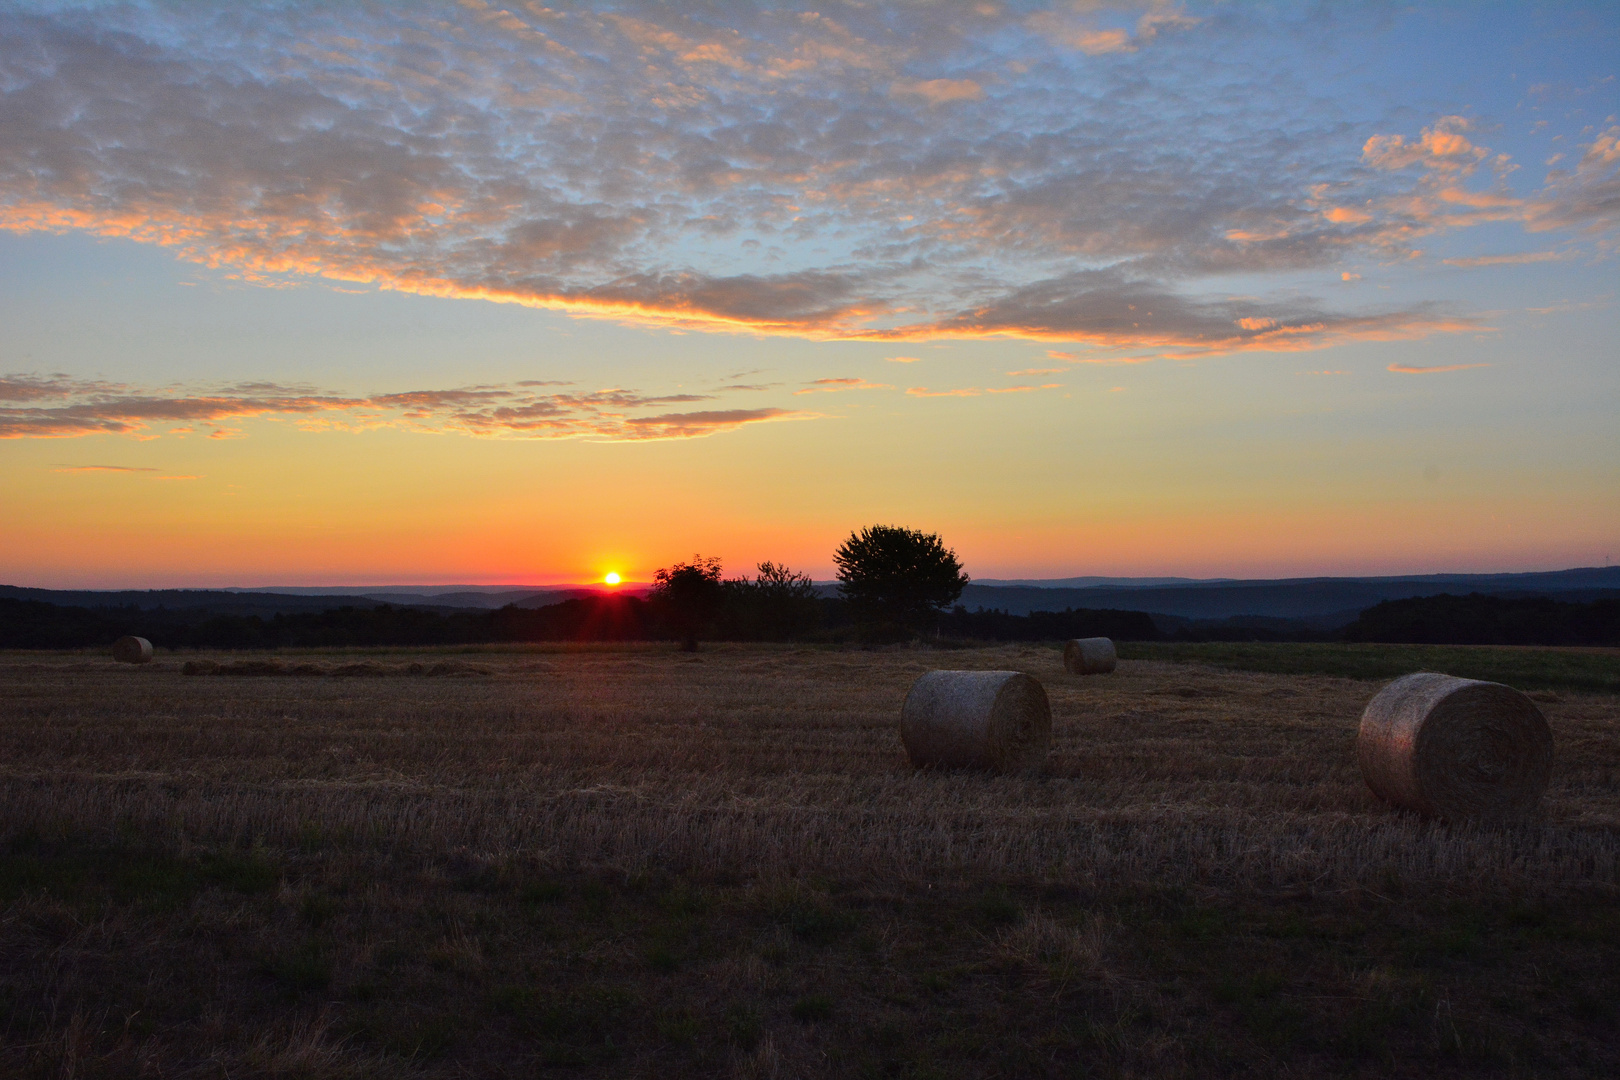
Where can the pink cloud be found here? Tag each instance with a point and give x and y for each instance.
(1408, 370)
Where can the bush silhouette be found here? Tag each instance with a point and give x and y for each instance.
(778, 605)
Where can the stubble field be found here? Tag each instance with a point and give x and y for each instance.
(628, 861)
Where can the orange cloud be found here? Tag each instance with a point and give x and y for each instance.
(831, 386)
(923, 391)
(1442, 147)
(974, 391)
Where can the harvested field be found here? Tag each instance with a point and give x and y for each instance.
(634, 861)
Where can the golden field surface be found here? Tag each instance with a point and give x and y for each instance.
(626, 860)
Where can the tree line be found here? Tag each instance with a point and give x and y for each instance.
(32, 624)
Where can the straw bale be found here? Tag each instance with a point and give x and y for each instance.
(200, 667)
(994, 720)
(1454, 748)
(132, 650)
(1089, 656)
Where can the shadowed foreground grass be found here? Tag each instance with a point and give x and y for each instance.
(630, 862)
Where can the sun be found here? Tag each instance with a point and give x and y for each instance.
(612, 577)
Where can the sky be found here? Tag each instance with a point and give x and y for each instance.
(316, 293)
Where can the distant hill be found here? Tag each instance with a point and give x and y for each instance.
(295, 600)
(1321, 603)
(1277, 605)
(217, 601)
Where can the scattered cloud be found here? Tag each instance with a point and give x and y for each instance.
(974, 391)
(923, 391)
(1055, 354)
(697, 424)
(105, 469)
(1442, 148)
(1078, 30)
(1037, 371)
(831, 386)
(937, 91)
(70, 409)
(833, 175)
(903, 359)
(1405, 369)
(1109, 308)
(1570, 305)
(1519, 259)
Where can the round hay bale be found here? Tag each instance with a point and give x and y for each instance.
(1454, 748)
(994, 720)
(1089, 656)
(132, 650)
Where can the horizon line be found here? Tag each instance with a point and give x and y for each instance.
(1093, 580)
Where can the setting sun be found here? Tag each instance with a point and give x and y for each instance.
(612, 577)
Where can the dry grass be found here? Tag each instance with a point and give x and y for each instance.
(774, 760)
(632, 861)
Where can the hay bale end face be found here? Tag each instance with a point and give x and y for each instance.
(132, 650)
(1089, 656)
(999, 721)
(1454, 748)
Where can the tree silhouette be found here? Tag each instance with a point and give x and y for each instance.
(688, 595)
(896, 580)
